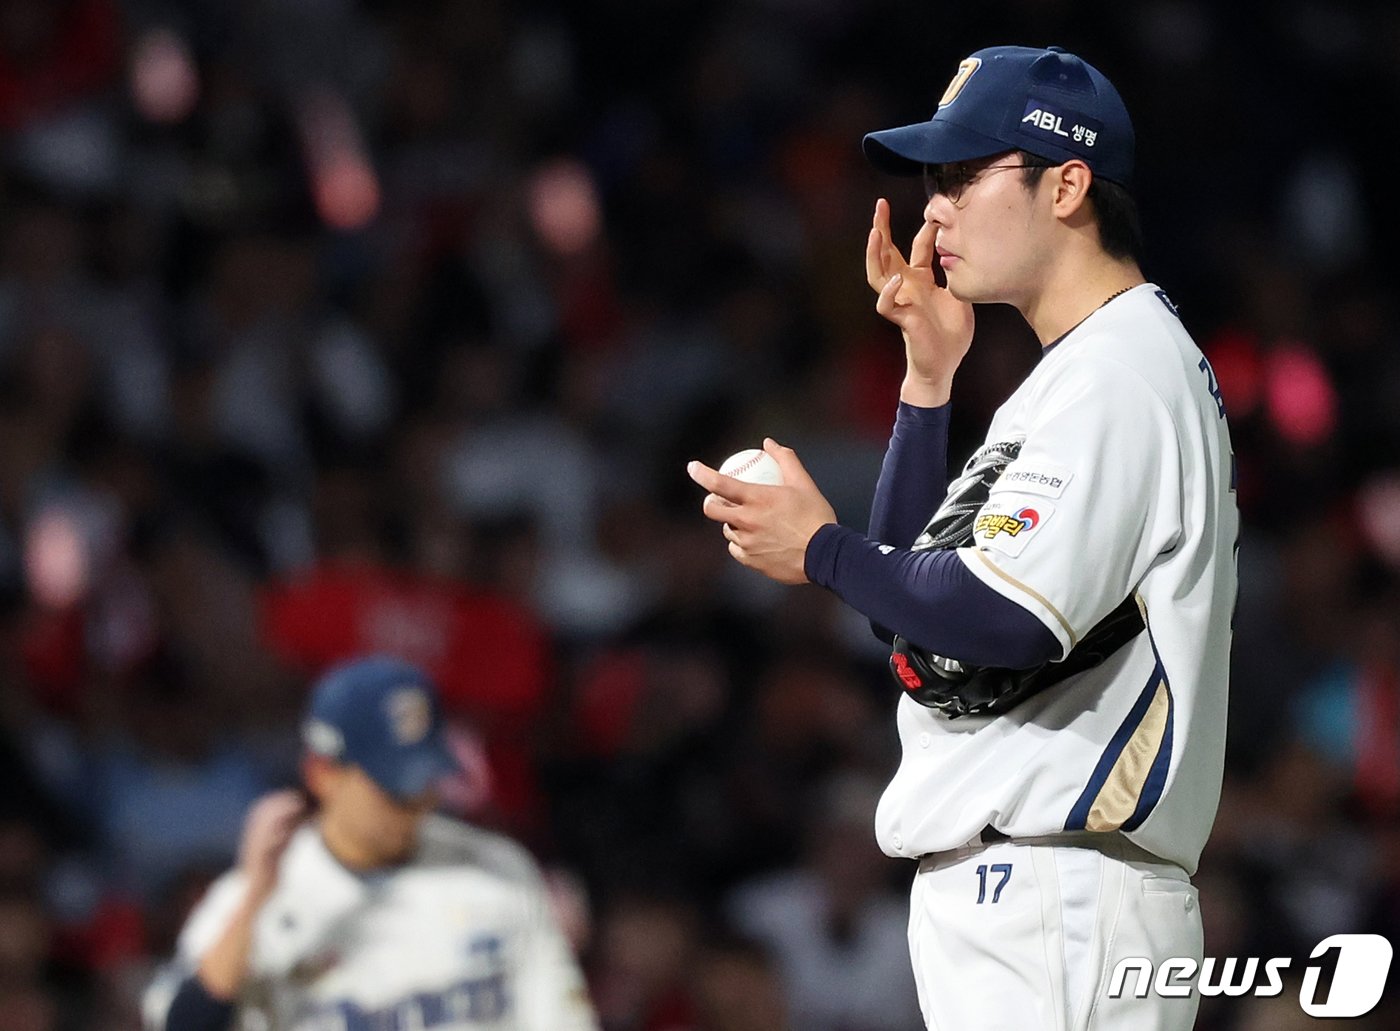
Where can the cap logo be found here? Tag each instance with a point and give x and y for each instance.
(410, 715)
(323, 739)
(955, 87)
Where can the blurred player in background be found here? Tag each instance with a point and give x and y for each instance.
(366, 909)
(1061, 625)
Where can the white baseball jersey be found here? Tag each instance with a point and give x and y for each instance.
(1123, 486)
(460, 938)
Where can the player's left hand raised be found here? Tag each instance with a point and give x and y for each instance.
(768, 527)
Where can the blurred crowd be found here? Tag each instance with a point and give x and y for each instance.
(336, 326)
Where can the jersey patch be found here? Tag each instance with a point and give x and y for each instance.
(1044, 478)
(1007, 524)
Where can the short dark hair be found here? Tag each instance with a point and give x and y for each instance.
(1115, 211)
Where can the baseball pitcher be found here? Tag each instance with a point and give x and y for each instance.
(372, 912)
(1059, 614)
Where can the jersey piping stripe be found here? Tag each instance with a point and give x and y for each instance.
(1130, 775)
(1157, 775)
(1069, 630)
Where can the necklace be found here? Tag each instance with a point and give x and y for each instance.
(1056, 342)
(1111, 296)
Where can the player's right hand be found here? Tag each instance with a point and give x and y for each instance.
(267, 829)
(937, 327)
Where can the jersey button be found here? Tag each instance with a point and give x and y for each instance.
(897, 842)
(924, 739)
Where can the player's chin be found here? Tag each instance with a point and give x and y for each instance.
(964, 287)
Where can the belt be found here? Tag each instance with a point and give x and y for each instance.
(1111, 842)
(1101, 840)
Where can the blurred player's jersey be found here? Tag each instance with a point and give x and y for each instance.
(1123, 487)
(460, 938)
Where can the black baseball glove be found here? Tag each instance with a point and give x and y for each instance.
(958, 689)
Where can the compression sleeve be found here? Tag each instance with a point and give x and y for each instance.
(929, 598)
(913, 476)
(194, 1009)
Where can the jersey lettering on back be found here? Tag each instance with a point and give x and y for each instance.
(481, 1001)
(1213, 385)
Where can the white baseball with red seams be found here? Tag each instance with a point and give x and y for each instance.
(753, 465)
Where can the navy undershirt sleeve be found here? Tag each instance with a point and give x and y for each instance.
(913, 481)
(913, 476)
(930, 598)
(194, 1009)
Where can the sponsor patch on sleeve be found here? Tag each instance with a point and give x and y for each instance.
(1044, 478)
(1007, 524)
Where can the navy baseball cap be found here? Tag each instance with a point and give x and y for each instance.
(1047, 102)
(382, 715)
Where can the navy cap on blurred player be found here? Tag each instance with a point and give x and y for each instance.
(1044, 101)
(371, 910)
(382, 715)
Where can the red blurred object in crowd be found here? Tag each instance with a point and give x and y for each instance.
(164, 79)
(1378, 511)
(1285, 377)
(113, 935)
(611, 688)
(564, 207)
(1302, 400)
(343, 182)
(1377, 777)
(57, 559)
(872, 374)
(54, 54)
(55, 660)
(489, 656)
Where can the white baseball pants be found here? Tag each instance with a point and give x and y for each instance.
(1023, 936)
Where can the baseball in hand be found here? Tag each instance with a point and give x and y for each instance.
(752, 465)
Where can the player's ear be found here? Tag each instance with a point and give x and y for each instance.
(1070, 189)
